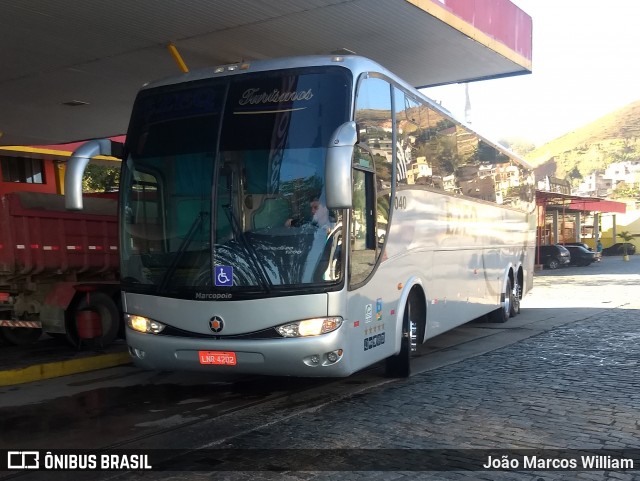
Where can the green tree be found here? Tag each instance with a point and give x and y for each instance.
(575, 174)
(625, 191)
(101, 178)
(626, 236)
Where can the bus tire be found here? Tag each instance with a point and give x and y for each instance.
(503, 313)
(515, 304)
(399, 365)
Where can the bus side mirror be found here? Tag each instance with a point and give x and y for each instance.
(76, 166)
(338, 166)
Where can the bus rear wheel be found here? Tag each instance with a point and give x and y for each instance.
(504, 312)
(517, 295)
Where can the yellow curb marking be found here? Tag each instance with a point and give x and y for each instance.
(62, 368)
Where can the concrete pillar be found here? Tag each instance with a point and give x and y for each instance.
(554, 218)
(578, 225)
(596, 226)
(614, 231)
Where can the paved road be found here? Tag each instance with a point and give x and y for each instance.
(561, 376)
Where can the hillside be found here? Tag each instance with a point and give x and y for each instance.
(612, 138)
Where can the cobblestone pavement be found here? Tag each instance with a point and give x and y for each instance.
(573, 387)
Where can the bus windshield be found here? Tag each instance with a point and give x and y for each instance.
(223, 184)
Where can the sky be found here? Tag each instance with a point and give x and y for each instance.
(586, 64)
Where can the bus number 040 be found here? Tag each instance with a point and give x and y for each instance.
(401, 202)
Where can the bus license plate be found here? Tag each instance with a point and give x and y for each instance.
(224, 358)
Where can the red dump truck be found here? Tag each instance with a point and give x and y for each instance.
(59, 269)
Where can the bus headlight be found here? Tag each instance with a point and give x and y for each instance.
(310, 327)
(143, 324)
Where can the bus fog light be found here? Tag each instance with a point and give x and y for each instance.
(313, 360)
(333, 356)
(134, 352)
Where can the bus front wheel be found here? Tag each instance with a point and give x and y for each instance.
(400, 364)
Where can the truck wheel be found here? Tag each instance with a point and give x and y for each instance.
(20, 336)
(109, 313)
(58, 336)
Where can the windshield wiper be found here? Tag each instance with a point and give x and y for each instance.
(195, 225)
(263, 278)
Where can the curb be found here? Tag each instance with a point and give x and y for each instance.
(50, 370)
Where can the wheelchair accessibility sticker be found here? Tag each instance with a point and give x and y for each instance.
(223, 276)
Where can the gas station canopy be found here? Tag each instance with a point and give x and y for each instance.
(71, 68)
(575, 203)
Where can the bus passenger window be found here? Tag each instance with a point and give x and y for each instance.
(411, 163)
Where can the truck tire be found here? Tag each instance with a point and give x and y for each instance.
(109, 313)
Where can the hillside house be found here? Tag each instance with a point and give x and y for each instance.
(594, 185)
(627, 172)
(554, 184)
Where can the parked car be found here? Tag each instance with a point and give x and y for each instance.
(580, 256)
(616, 249)
(581, 244)
(552, 256)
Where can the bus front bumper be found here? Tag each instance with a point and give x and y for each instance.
(315, 356)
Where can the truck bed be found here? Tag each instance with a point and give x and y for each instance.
(40, 238)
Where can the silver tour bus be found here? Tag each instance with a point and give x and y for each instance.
(309, 216)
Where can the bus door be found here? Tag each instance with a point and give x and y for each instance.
(371, 296)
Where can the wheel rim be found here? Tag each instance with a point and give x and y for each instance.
(413, 335)
(507, 299)
(515, 305)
